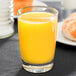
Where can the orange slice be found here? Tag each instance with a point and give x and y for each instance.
(66, 23)
(72, 29)
(69, 29)
(18, 4)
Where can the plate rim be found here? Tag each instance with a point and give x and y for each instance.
(66, 43)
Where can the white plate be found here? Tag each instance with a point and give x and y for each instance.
(36, 3)
(61, 38)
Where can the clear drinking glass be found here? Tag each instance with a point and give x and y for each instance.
(37, 26)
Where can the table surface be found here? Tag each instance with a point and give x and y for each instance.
(10, 62)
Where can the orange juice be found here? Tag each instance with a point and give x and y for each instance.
(37, 35)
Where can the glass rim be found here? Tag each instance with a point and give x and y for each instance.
(49, 7)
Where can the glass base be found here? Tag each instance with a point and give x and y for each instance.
(38, 68)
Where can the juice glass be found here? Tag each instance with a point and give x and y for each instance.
(37, 37)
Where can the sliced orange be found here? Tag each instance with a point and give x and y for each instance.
(70, 25)
(66, 23)
(18, 4)
(72, 29)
